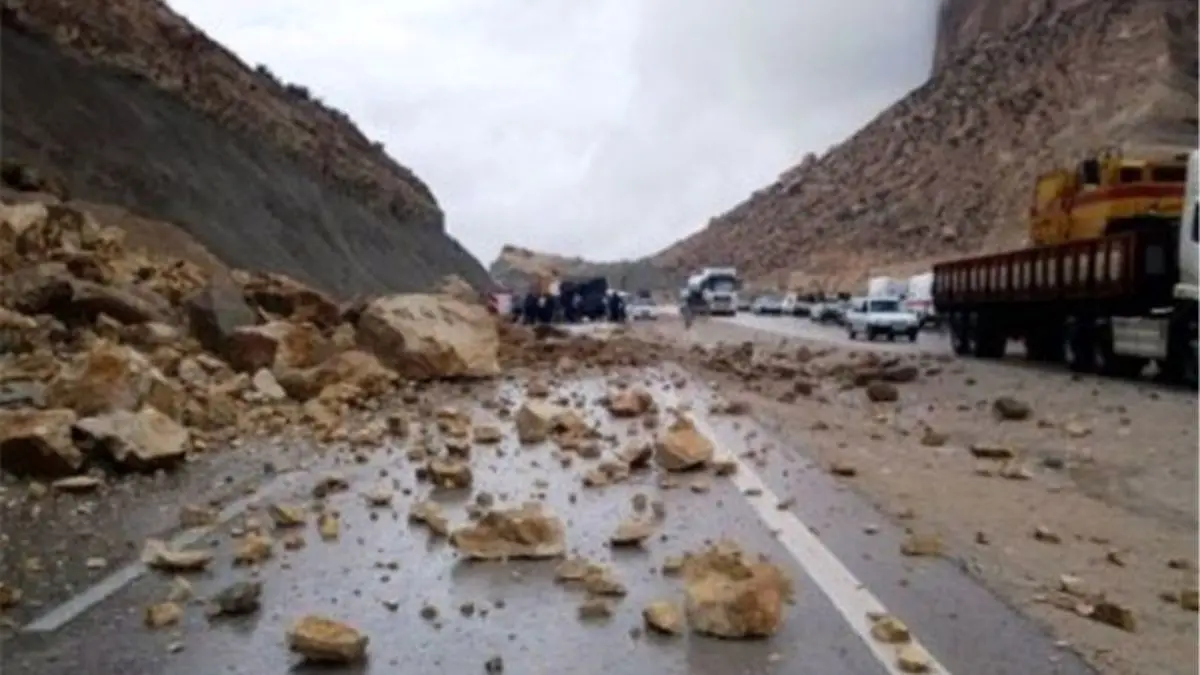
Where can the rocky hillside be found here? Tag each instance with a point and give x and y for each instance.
(948, 169)
(962, 23)
(127, 103)
(516, 268)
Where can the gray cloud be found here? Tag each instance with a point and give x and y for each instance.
(605, 129)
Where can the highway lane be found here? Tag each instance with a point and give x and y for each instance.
(383, 574)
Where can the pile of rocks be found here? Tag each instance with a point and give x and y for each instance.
(116, 356)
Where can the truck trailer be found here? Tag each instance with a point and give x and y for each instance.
(1110, 284)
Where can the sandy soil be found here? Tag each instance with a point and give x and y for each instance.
(1110, 471)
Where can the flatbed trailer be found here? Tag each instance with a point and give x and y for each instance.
(1107, 305)
(1110, 295)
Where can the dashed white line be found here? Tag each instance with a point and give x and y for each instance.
(852, 599)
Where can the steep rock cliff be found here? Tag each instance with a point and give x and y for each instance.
(128, 103)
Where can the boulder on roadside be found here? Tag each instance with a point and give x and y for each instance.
(109, 377)
(38, 443)
(731, 596)
(536, 420)
(431, 336)
(629, 402)
(683, 447)
(523, 532)
(323, 640)
(353, 367)
(215, 311)
(290, 299)
(142, 441)
(277, 344)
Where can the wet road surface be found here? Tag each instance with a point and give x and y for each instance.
(382, 571)
(802, 327)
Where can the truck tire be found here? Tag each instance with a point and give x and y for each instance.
(1078, 350)
(990, 338)
(1044, 343)
(962, 337)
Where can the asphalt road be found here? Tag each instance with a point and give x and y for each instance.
(382, 571)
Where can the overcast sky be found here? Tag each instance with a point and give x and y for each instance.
(601, 128)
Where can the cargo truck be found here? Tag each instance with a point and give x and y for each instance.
(1110, 282)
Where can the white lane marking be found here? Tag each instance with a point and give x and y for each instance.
(852, 599)
(78, 604)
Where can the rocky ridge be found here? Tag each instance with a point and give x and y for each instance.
(517, 268)
(947, 170)
(256, 170)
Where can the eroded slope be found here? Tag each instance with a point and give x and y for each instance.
(129, 104)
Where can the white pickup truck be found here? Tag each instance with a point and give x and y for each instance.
(871, 317)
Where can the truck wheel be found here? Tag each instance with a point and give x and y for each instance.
(990, 342)
(870, 335)
(891, 336)
(851, 335)
(1078, 351)
(961, 335)
(912, 335)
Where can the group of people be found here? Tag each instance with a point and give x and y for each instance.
(571, 308)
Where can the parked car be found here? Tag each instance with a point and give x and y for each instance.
(871, 317)
(768, 304)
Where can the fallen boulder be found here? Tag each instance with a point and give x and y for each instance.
(110, 377)
(38, 442)
(431, 336)
(143, 441)
(683, 447)
(323, 640)
(729, 596)
(524, 532)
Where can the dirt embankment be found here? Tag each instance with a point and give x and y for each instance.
(128, 104)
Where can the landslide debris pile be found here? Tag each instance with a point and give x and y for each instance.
(128, 103)
(113, 357)
(948, 169)
(110, 355)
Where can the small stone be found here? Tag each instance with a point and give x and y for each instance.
(664, 617)
(1044, 534)
(325, 640)
(912, 659)
(594, 608)
(76, 484)
(237, 599)
(1010, 409)
(162, 614)
(890, 630)
(921, 545)
(632, 533)
(252, 549)
(328, 526)
(286, 515)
